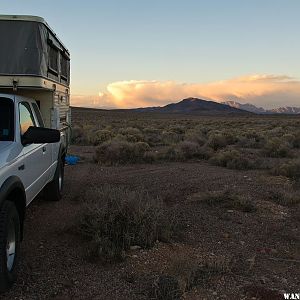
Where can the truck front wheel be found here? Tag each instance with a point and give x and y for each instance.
(9, 244)
(53, 190)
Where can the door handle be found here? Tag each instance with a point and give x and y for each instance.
(21, 168)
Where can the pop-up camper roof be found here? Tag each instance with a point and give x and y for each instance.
(29, 47)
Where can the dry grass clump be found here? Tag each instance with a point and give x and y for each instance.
(233, 159)
(185, 273)
(277, 147)
(166, 287)
(289, 169)
(229, 200)
(120, 152)
(285, 197)
(116, 218)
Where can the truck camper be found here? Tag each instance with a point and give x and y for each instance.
(34, 126)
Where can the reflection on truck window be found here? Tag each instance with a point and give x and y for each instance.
(26, 117)
(6, 119)
(38, 115)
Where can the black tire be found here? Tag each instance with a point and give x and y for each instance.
(53, 190)
(9, 241)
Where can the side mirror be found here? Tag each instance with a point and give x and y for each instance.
(40, 135)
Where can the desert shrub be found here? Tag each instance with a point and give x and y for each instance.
(250, 140)
(195, 137)
(120, 152)
(276, 131)
(171, 137)
(204, 130)
(191, 271)
(289, 138)
(100, 136)
(229, 200)
(140, 148)
(232, 159)
(188, 149)
(166, 287)
(296, 141)
(120, 137)
(115, 218)
(173, 153)
(205, 152)
(132, 134)
(290, 169)
(244, 142)
(179, 129)
(152, 136)
(78, 135)
(276, 147)
(285, 198)
(150, 156)
(217, 141)
(230, 137)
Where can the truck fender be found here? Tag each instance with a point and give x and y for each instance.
(13, 190)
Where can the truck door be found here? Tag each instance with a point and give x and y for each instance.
(34, 161)
(47, 148)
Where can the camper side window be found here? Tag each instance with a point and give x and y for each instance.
(64, 67)
(53, 59)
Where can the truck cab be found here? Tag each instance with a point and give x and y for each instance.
(34, 127)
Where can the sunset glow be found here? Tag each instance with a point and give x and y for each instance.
(263, 90)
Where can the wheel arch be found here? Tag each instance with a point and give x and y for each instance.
(13, 190)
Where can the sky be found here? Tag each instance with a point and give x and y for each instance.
(137, 53)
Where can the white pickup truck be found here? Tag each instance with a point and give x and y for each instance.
(34, 127)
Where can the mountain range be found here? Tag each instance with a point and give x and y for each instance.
(195, 106)
(259, 110)
(199, 106)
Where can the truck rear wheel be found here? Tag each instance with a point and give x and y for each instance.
(53, 190)
(9, 244)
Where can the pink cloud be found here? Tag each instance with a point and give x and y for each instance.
(262, 90)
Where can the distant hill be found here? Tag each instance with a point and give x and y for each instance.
(195, 106)
(259, 110)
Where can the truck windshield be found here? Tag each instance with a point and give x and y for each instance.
(6, 119)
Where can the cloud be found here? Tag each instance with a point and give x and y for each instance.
(262, 90)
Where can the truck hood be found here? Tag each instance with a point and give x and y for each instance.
(8, 152)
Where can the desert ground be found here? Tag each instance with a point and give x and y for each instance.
(169, 207)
